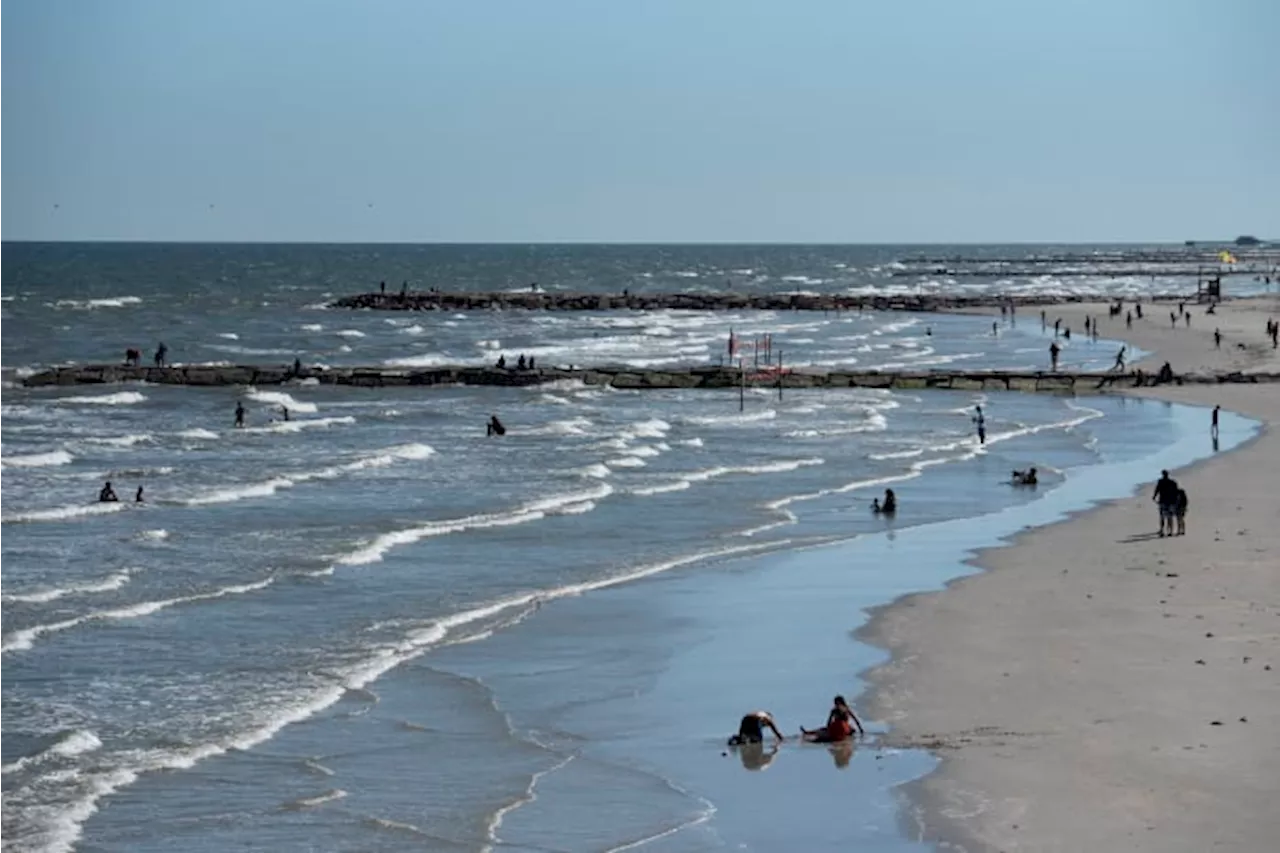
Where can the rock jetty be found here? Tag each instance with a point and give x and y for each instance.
(555, 300)
(616, 376)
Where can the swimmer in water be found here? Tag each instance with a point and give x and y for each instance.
(138, 498)
(890, 503)
(108, 494)
(1025, 478)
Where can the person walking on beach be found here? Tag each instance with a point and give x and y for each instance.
(1166, 498)
(1054, 350)
(1128, 319)
(1217, 339)
(1119, 365)
(1213, 424)
(1043, 321)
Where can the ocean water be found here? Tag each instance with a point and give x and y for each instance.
(371, 627)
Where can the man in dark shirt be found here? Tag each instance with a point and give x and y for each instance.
(1166, 498)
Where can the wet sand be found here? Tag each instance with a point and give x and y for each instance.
(1100, 687)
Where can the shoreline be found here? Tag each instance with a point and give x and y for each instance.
(1015, 679)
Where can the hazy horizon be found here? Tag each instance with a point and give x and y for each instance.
(815, 123)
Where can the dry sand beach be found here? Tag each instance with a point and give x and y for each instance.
(1100, 688)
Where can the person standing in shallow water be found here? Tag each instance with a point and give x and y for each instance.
(981, 421)
(239, 413)
(1054, 351)
(1213, 423)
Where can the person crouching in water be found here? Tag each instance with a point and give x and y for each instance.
(841, 724)
(1025, 478)
(751, 729)
(494, 427)
(107, 494)
(886, 507)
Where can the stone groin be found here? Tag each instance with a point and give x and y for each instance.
(620, 376)
(555, 300)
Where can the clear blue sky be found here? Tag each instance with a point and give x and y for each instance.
(648, 120)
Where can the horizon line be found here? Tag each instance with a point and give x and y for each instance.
(198, 242)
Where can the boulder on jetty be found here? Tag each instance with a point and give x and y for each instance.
(542, 300)
(619, 376)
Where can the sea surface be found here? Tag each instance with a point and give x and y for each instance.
(368, 626)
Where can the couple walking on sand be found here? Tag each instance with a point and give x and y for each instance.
(1172, 501)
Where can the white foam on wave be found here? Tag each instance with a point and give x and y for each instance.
(25, 638)
(596, 470)
(687, 479)
(642, 450)
(73, 743)
(572, 426)
(311, 327)
(625, 462)
(106, 302)
(156, 535)
(533, 510)
(415, 329)
(198, 432)
(62, 513)
(649, 428)
(266, 488)
(107, 584)
(279, 398)
(298, 425)
(37, 460)
(739, 418)
(874, 422)
(231, 336)
(121, 440)
(318, 800)
(120, 398)
(349, 333)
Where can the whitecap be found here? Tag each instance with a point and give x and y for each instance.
(37, 460)
(120, 398)
(107, 584)
(279, 398)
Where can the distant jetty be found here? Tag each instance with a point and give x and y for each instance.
(709, 377)
(555, 300)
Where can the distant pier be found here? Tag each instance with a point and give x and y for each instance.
(556, 300)
(621, 376)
